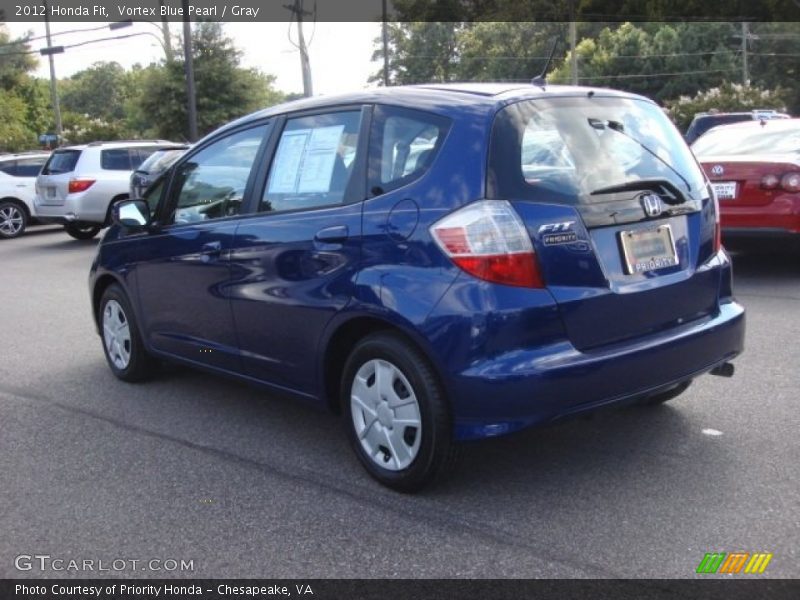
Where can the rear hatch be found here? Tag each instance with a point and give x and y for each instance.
(620, 215)
(52, 184)
(738, 180)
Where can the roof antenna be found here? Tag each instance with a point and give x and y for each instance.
(541, 78)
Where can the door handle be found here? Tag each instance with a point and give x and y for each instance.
(212, 248)
(332, 235)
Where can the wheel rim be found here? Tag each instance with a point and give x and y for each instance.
(117, 334)
(11, 220)
(386, 415)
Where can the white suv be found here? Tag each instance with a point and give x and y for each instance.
(78, 185)
(17, 177)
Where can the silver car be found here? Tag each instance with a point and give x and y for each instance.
(79, 184)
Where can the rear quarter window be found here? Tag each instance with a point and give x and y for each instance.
(116, 159)
(61, 161)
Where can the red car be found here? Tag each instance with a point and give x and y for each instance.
(754, 168)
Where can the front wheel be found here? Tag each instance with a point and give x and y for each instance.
(396, 414)
(82, 232)
(13, 220)
(122, 343)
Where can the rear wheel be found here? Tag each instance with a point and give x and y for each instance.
(396, 414)
(82, 232)
(122, 343)
(663, 397)
(13, 219)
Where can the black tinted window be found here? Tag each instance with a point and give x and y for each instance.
(61, 161)
(30, 167)
(116, 159)
(8, 167)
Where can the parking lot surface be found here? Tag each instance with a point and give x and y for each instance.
(195, 467)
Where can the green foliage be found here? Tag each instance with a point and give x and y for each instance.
(15, 134)
(102, 91)
(418, 53)
(727, 97)
(225, 90)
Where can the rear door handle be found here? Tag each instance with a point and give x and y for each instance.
(332, 235)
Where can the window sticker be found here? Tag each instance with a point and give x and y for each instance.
(319, 159)
(288, 160)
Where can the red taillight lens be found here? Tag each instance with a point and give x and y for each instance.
(79, 185)
(487, 240)
(717, 226)
(791, 182)
(770, 182)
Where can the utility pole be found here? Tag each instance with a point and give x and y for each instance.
(53, 84)
(305, 63)
(573, 57)
(385, 34)
(165, 33)
(191, 96)
(745, 70)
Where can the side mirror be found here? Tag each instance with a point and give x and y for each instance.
(131, 214)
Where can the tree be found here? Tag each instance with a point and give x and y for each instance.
(101, 91)
(418, 52)
(225, 90)
(727, 97)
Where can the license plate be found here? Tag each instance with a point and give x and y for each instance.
(51, 192)
(725, 190)
(648, 249)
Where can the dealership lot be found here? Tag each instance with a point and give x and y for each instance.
(197, 468)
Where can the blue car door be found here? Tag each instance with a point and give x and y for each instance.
(183, 269)
(294, 261)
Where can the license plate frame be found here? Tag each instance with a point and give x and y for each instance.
(725, 190)
(638, 258)
(50, 191)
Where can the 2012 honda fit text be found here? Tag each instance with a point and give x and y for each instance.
(437, 263)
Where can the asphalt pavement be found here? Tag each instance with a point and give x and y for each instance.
(198, 468)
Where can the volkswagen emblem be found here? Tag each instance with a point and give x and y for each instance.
(651, 203)
(717, 170)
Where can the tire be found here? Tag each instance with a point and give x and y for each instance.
(404, 459)
(663, 397)
(82, 232)
(122, 342)
(13, 219)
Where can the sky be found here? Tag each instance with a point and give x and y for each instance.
(340, 52)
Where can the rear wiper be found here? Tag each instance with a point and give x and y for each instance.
(620, 128)
(643, 184)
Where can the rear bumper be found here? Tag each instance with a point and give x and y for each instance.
(525, 387)
(779, 218)
(73, 210)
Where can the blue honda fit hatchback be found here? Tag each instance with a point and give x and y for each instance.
(437, 263)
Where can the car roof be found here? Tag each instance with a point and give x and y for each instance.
(436, 97)
(119, 144)
(18, 155)
(762, 124)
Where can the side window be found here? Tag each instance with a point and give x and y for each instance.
(29, 167)
(314, 162)
(403, 145)
(9, 168)
(211, 183)
(152, 195)
(115, 159)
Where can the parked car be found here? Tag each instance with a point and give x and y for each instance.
(702, 122)
(17, 177)
(754, 168)
(158, 162)
(78, 184)
(467, 296)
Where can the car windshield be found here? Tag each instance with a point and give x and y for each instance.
(564, 149)
(755, 140)
(161, 160)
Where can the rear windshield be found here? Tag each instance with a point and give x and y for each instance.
(61, 161)
(756, 140)
(560, 150)
(160, 160)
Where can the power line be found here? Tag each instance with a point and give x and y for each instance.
(41, 37)
(84, 43)
(671, 74)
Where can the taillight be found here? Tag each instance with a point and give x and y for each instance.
(791, 182)
(717, 226)
(487, 240)
(79, 185)
(770, 182)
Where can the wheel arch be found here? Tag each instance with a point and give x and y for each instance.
(101, 284)
(343, 337)
(19, 203)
